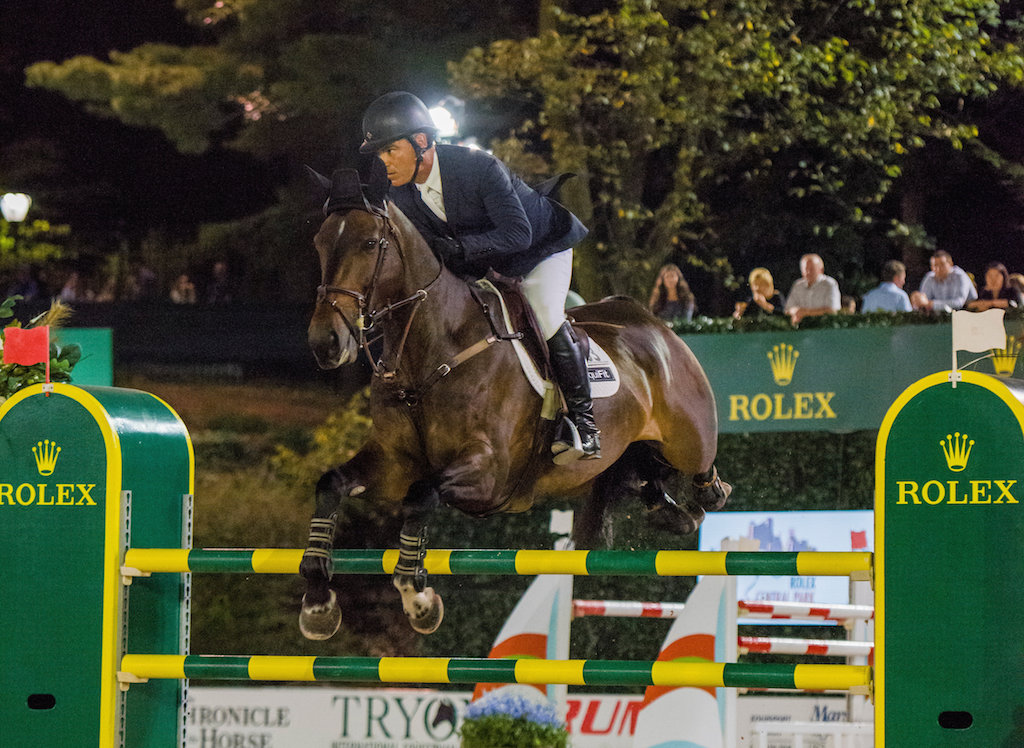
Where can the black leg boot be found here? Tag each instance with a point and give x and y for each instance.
(570, 370)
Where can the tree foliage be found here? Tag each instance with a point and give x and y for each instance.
(719, 134)
(276, 77)
(746, 129)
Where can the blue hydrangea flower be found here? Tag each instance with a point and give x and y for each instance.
(515, 705)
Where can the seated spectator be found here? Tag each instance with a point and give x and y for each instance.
(848, 304)
(998, 292)
(814, 293)
(220, 289)
(889, 296)
(763, 299)
(945, 288)
(1017, 281)
(183, 291)
(74, 289)
(671, 297)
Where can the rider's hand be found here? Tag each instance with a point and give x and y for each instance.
(448, 249)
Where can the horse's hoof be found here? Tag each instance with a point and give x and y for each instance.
(319, 622)
(427, 613)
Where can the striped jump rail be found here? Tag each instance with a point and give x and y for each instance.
(745, 609)
(856, 565)
(138, 668)
(803, 611)
(820, 647)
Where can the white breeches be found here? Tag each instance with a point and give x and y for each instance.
(546, 287)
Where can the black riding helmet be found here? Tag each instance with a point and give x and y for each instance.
(394, 116)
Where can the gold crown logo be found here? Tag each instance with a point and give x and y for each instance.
(957, 450)
(783, 358)
(1004, 360)
(46, 453)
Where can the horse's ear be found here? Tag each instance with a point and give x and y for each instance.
(374, 178)
(318, 179)
(346, 192)
(320, 184)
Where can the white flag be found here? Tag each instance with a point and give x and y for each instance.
(978, 331)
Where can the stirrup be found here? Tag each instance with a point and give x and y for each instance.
(567, 446)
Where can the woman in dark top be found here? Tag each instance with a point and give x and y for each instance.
(671, 298)
(763, 299)
(998, 292)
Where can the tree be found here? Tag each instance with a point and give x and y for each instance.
(715, 133)
(747, 131)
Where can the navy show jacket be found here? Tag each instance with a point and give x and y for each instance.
(501, 222)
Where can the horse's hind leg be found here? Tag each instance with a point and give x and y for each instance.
(710, 491)
(682, 517)
(591, 525)
(423, 607)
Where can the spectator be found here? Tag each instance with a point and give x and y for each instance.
(814, 293)
(671, 297)
(74, 289)
(763, 299)
(1017, 281)
(889, 296)
(945, 287)
(219, 290)
(183, 291)
(998, 292)
(848, 304)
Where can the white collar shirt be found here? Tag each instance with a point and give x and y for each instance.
(430, 190)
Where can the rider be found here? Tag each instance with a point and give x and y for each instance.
(476, 214)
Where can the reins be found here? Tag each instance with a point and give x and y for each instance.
(367, 319)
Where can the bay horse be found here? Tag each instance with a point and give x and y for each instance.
(455, 419)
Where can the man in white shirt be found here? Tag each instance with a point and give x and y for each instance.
(945, 288)
(814, 293)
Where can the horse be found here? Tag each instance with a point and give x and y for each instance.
(454, 417)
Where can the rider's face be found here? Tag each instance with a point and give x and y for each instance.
(400, 160)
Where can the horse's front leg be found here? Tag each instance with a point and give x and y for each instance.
(320, 617)
(423, 607)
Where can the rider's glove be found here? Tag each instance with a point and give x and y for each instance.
(448, 249)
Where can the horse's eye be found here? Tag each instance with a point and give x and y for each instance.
(371, 243)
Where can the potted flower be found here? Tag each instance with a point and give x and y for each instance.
(506, 718)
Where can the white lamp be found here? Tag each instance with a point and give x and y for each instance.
(446, 116)
(14, 206)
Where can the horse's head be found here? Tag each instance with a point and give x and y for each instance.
(362, 267)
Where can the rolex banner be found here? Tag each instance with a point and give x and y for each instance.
(832, 379)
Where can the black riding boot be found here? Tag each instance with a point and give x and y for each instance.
(570, 370)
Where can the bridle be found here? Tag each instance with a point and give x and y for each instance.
(364, 327)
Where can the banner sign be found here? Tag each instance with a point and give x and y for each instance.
(829, 380)
(792, 532)
(309, 717)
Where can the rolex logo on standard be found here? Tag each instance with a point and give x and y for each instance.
(956, 449)
(46, 454)
(782, 358)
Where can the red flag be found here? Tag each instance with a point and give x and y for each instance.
(27, 347)
(858, 540)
